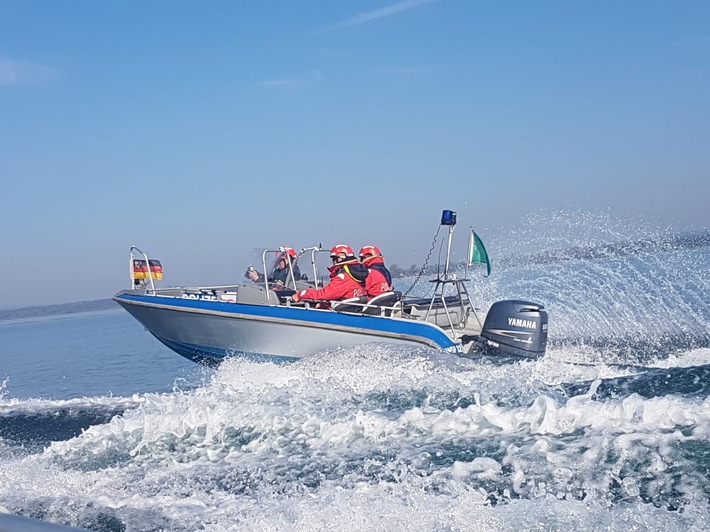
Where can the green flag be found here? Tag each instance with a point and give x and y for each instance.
(479, 253)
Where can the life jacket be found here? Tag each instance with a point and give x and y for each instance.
(358, 272)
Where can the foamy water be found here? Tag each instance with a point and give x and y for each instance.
(376, 438)
(609, 431)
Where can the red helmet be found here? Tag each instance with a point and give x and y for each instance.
(291, 252)
(342, 249)
(369, 251)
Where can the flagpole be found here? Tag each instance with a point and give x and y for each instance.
(470, 251)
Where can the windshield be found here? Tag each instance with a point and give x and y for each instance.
(277, 265)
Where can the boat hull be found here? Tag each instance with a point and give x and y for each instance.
(207, 331)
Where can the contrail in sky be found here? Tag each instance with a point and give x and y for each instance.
(368, 16)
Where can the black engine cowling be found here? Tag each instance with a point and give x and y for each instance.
(514, 328)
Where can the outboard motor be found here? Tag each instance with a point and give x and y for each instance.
(514, 328)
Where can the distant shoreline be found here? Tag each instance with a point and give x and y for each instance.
(57, 310)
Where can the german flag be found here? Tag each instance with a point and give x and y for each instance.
(140, 269)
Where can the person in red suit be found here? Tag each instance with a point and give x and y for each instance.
(379, 278)
(347, 278)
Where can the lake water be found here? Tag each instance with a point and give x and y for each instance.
(104, 428)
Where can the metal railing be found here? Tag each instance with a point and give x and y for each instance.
(132, 258)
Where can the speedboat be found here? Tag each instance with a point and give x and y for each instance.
(258, 320)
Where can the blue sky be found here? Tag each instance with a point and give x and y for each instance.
(201, 130)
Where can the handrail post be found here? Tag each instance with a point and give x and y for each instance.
(147, 262)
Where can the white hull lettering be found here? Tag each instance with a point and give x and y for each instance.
(202, 297)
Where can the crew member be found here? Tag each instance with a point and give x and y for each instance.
(281, 274)
(347, 278)
(379, 278)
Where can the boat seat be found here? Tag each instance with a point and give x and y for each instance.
(382, 305)
(284, 294)
(353, 304)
